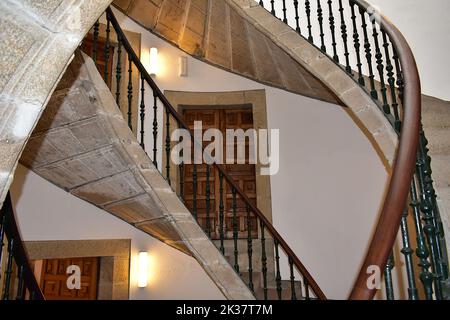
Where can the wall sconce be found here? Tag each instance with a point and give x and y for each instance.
(143, 269)
(183, 66)
(153, 66)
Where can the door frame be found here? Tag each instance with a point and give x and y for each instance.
(255, 99)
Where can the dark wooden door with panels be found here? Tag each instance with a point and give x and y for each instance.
(221, 118)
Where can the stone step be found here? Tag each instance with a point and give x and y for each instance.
(435, 112)
(440, 165)
(438, 140)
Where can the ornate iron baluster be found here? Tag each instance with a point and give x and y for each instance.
(155, 128)
(357, 44)
(373, 91)
(194, 191)
(142, 109)
(333, 32)
(261, 3)
(2, 234)
(391, 81)
(263, 260)
(208, 202)
(306, 284)
(380, 67)
(272, 7)
(118, 70)
(9, 269)
(284, 12)
(130, 91)
(221, 216)
(291, 270)
(407, 252)
(21, 284)
(344, 38)
(168, 146)
(235, 231)
(422, 251)
(320, 19)
(249, 249)
(388, 278)
(95, 41)
(107, 47)
(308, 18)
(181, 167)
(297, 22)
(278, 273)
(400, 83)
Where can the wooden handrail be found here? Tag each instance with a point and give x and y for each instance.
(388, 224)
(276, 236)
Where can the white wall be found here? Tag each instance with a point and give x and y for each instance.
(46, 212)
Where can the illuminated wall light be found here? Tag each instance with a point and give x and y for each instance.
(143, 269)
(153, 66)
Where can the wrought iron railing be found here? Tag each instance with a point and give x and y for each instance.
(16, 276)
(300, 283)
(375, 54)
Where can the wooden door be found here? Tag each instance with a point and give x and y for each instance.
(243, 174)
(54, 279)
(87, 46)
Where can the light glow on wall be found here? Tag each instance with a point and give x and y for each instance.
(143, 269)
(153, 63)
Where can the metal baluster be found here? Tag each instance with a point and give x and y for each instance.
(2, 234)
(400, 83)
(261, 3)
(194, 191)
(291, 269)
(308, 18)
(21, 284)
(306, 284)
(344, 38)
(118, 70)
(388, 278)
(263, 260)
(107, 47)
(297, 22)
(221, 217)
(9, 269)
(320, 18)
(380, 67)
(155, 128)
(391, 81)
(249, 249)
(130, 91)
(272, 7)
(235, 231)
(95, 41)
(356, 44)
(208, 202)
(373, 91)
(407, 252)
(333, 30)
(278, 273)
(428, 207)
(284, 12)
(142, 109)
(422, 251)
(168, 146)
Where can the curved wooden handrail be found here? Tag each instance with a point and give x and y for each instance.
(276, 236)
(19, 253)
(403, 168)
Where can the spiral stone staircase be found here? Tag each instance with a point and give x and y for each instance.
(82, 142)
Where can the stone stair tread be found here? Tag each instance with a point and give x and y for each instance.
(435, 112)
(438, 140)
(440, 164)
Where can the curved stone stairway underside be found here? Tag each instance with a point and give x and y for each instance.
(37, 41)
(83, 144)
